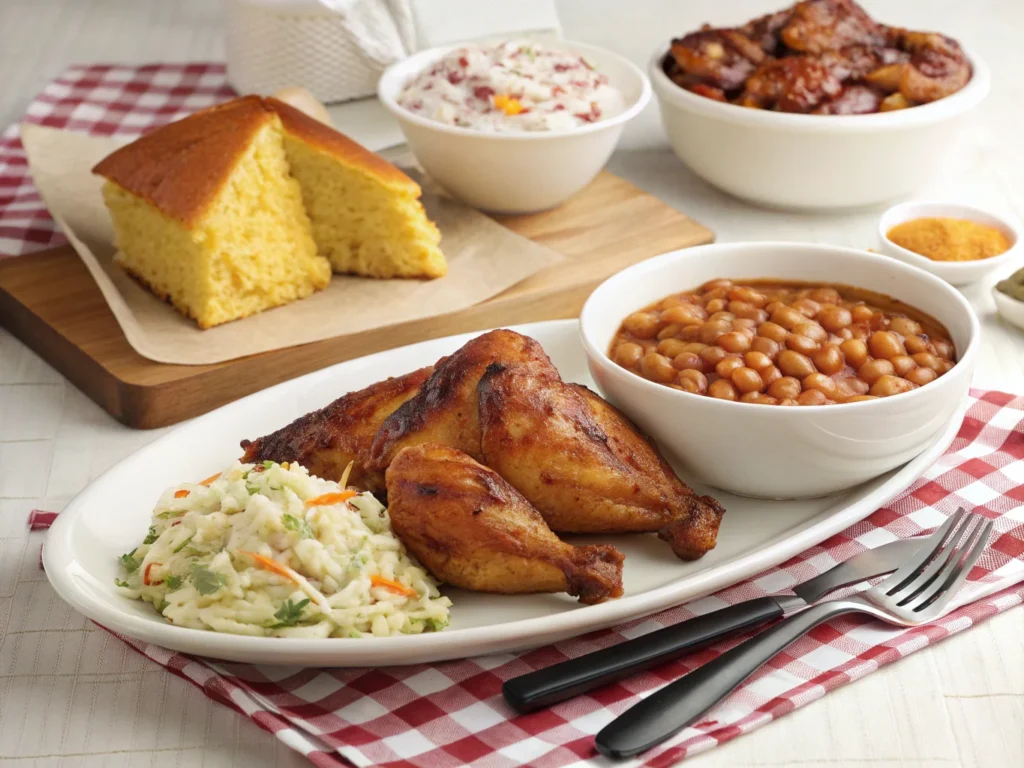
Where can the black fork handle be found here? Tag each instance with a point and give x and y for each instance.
(670, 709)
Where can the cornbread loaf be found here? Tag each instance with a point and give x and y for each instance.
(207, 216)
(209, 213)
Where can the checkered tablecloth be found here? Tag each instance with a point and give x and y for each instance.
(452, 713)
(100, 99)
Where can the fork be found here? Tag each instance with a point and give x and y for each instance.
(915, 594)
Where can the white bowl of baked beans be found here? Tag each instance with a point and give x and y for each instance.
(782, 370)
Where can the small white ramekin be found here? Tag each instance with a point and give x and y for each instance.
(812, 162)
(1010, 308)
(953, 272)
(515, 172)
(769, 451)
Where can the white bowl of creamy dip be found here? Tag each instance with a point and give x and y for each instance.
(513, 127)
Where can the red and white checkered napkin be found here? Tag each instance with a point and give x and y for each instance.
(99, 99)
(452, 713)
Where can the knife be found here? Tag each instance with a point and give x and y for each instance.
(566, 679)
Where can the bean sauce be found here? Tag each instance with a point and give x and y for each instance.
(776, 343)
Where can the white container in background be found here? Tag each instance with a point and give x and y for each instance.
(272, 44)
(813, 162)
(515, 172)
(337, 49)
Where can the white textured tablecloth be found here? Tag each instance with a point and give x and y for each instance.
(71, 695)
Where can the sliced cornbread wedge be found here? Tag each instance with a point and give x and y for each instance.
(366, 214)
(207, 215)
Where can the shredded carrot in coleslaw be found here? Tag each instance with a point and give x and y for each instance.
(394, 586)
(330, 498)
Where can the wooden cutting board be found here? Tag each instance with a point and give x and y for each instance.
(50, 302)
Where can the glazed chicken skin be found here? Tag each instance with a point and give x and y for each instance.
(583, 464)
(499, 400)
(445, 409)
(818, 57)
(471, 529)
(580, 462)
(326, 441)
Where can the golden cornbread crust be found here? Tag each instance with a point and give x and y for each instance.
(348, 152)
(181, 167)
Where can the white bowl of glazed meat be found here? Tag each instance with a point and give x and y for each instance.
(795, 143)
(488, 145)
(769, 450)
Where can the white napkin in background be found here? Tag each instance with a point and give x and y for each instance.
(382, 29)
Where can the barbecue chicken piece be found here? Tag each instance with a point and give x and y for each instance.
(584, 465)
(473, 530)
(816, 26)
(445, 409)
(765, 30)
(852, 100)
(826, 84)
(325, 441)
(792, 84)
(937, 68)
(719, 58)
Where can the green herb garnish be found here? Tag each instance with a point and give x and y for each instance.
(151, 536)
(183, 544)
(268, 464)
(204, 580)
(173, 582)
(289, 613)
(122, 584)
(436, 625)
(129, 563)
(293, 523)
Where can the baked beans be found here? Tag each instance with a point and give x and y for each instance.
(776, 343)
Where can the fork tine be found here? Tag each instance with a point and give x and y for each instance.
(915, 586)
(954, 575)
(934, 543)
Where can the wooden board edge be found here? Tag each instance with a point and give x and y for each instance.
(119, 380)
(149, 406)
(57, 351)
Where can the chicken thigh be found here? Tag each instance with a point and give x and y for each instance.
(473, 530)
(584, 465)
(445, 409)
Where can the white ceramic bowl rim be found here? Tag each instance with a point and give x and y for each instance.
(954, 104)
(433, 54)
(1006, 303)
(893, 216)
(652, 265)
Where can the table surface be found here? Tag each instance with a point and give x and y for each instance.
(72, 695)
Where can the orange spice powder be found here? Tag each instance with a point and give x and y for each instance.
(942, 239)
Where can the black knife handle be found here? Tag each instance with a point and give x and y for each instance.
(566, 679)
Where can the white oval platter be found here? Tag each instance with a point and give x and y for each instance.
(112, 514)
